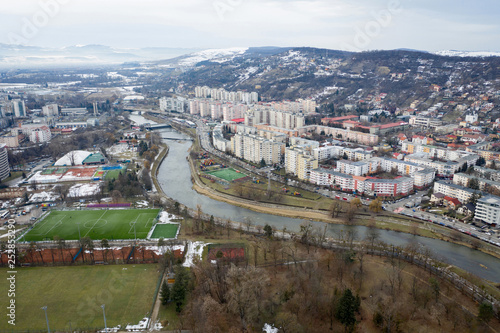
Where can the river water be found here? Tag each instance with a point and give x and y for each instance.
(175, 180)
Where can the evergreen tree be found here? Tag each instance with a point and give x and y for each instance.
(165, 293)
(179, 289)
(485, 312)
(347, 307)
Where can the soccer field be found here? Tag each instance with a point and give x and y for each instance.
(228, 174)
(95, 224)
(74, 295)
(165, 231)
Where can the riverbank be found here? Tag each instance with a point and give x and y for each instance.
(383, 221)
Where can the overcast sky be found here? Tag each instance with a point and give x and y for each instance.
(429, 25)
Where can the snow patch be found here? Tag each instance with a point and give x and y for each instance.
(454, 53)
(83, 190)
(194, 250)
(269, 328)
(43, 196)
(143, 324)
(215, 55)
(75, 157)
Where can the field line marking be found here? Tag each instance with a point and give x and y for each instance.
(38, 226)
(58, 223)
(95, 224)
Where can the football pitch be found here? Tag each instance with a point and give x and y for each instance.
(165, 231)
(228, 174)
(95, 224)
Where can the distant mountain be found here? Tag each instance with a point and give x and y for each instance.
(454, 53)
(19, 56)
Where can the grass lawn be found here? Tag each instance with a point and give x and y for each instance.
(73, 296)
(96, 224)
(228, 174)
(112, 174)
(165, 231)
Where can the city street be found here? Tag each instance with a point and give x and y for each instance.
(399, 206)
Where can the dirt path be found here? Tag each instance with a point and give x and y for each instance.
(156, 309)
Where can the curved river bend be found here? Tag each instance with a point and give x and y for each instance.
(175, 180)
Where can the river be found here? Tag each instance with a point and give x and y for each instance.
(175, 180)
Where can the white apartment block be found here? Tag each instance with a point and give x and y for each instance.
(40, 134)
(222, 95)
(425, 122)
(432, 151)
(19, 108)
(327, 152)
(219, 142)
(463, 179)
(254, 148)
(400, 186)
(215, 111)
(296, 141)
(423, 177)
(4, 162)
(488, 209)
(300, 161)
(341, 134)
(194, 106)
(352, 168)
(172, 104)
(276, 118)
(463, 194)
(36, 133)
(446, 169)
(50, 110)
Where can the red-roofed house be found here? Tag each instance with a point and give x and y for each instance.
(398, 156)
(453, 203)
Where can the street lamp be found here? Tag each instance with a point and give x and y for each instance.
(44, 308)
(104, 315)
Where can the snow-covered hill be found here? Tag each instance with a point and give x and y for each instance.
(215, 55)
(453, 53)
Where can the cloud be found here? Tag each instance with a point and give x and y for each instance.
(422, 24)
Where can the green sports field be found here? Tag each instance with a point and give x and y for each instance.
(165, 231)
(96, 224)
(228, 174)
(74, 294)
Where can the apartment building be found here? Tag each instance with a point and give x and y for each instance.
(443, 169)
(425, 122)
(400, 186)
(299, 161)
(4, 162)
(463, 194)
(352, 168)
(172, 104)
(223, 95)
(19, 108)
(341, 134)
(50, 110)
(254, 148)
(488, 209)
(463, 179)
(219, 142)
(35, 132)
